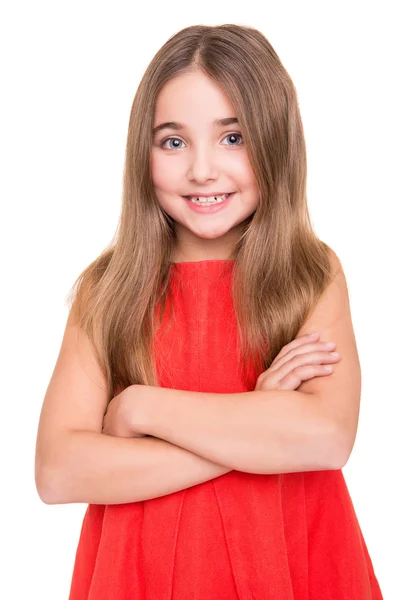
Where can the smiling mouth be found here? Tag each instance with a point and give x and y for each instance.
(200, 201)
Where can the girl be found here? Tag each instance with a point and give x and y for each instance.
(190, 406)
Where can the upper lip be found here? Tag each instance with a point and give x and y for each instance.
(201, 194)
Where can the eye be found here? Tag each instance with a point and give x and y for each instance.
(233, 135)
(162, 144)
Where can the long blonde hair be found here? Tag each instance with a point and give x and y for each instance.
(281, 267)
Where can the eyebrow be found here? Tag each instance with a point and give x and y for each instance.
(177, 126)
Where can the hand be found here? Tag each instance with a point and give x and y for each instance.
(119, 420)
(301, 359)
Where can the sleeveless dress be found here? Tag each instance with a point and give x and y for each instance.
(239, 536)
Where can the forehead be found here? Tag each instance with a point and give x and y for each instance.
(192, 99)
(177, 126)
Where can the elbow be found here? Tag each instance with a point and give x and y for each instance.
(337, 463)
(43, 490)
(41, 479)
(52, 474)
(46, 486)
(45, 495)
(340, 452)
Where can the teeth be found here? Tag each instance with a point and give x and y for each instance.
(210, 200)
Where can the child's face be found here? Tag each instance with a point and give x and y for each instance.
(206, 159)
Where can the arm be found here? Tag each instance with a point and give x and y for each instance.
(75, 462)
(101, 469)
(277, 431)
(255, 432)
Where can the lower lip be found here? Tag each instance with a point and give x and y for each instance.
(212, 208)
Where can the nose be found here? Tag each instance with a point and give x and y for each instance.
(202, 165)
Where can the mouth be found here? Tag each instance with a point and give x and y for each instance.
(209, 207)
(200, 201)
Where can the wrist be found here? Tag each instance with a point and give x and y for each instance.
(142, 401)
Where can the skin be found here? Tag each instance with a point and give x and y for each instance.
(205, 159)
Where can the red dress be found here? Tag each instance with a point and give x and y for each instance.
(239, 536)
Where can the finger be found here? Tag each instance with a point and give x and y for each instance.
(307, 348)
(294, 379)
(319, 357)
(303, 359)
(296, 343)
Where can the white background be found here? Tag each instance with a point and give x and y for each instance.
(69, 74)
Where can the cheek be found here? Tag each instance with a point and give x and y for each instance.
(242, 170)
(165, 173)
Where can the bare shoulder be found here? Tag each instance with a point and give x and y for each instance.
(76, 396)
(336, 266)
(334, 301)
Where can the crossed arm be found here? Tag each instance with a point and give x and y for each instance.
(255, 432)
(196, 437)
(199, 436)
(310, 428)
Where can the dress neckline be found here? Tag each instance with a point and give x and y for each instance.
(217, 261)
(210, 270)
